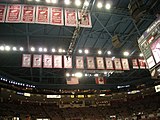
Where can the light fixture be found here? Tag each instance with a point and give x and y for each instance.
(48, 1)
(37, 0)
(108, 6)
(86, 75)
(60, 50)
(109, 52)
(54, 1)
(77, 2)
(86, 51)
(73, 74)
(80, 51)
(86, 3)
(78, 74)
(126, 53)
(14, 49)
(32, 49)
(96, 75)
(7, 48)
(53, 50)
(21, 48)
(141, 55)
(99, 52)
(2, 48)
(63, 51)
(67, 2)
(45, 49)
(113, 57)
(67, 74)
(105, 73)
(99, 5)
(40, 49)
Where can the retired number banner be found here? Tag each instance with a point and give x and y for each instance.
(142, 63)
(57, 61)
(56, 17)
(117, 63)
(37, 61)
(85, 19)
(125, 64)
(90, 63)
(70, 17)
(2, 12)
(109, 64)
(100, 63)
(13, 13)
(28, 14)
(26, 60)
(135, 64)
(79, 62)
(67, 62)
(47, 59)
(42, 14)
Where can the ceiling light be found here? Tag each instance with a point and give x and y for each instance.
(86, 51)
(105, 73)
(73, 74)
(86, 3)
(63, 51)
(45, 49)
(37, 0)
(99, 5)
(77, 2)
(67, 74)
(48, 1)
(40, 49)
(54, 1)
(141, 55)
(126, 53)
(96, 75)
(7, 48)
(21, 48)
(108, 6)
(60, 50)
(86, 75)
(109, 52)
(53, 50)
(78, 74)
(14, 48)
(80, 51)
(99, 52)
(32, 49)
(67, 2)
(2, 48)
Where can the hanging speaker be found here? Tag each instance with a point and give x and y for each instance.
(115, 41)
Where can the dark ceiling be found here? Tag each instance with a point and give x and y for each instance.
(105, 25)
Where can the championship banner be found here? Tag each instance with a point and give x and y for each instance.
(67, 62)
(90, 63)
(125, 64)
(47, 59)
(100, 80)
(26, 60)
(42, 15)
(37, 61)
(150, 62)
(13, 13)
(79, 62)
(109, 64)
(135, 64)
(56, 17)
(28, 14)
(72, 80)
(70, 17)
(2, 12)
(100, 62)
(57, 61)
(117, 63)
(85, 19)
(142, 63)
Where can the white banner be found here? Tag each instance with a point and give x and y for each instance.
(70, 17)
(90, 63)
(47, 59)
(57, 61)
(125, 64)
(26, 60)
(79, 62)
(117, 63)
(37, 61)
(2, 12)
(100, 62)
(109, 64)
(67, 62)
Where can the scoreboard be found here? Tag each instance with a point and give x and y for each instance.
(149, 44)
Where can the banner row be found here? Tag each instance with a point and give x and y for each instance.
(59, 61)
(16, 13)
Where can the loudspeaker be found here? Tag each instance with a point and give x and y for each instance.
(116, 42)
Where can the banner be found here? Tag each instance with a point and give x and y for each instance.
(90, 63)
(135, 64)
(70, 17)
(72, 80)
(117, 63)
(47, 59)
(100, 62)
(26, 60)
(57, 61)
(79, 62)
(125, 64)
(28, 14)
(37, 61)
(109, 64)
(67, 62)
(42, 15)
(56, 17)
(85, 19)
(2, 12)
(13, 13)
(142, 63)
(100, 80)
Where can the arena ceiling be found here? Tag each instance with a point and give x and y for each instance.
(105, 25)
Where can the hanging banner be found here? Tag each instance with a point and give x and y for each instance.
(135, 64)
(117, 63)
(70, 17)
(57, 61)
(28, 14)
(100, 62)
(13, 13)
(125, 64)
(26, 60)
(150, 62)
(56, 17)
(142, 63)
(100, 80)
(37, 61)
(47, 59)
(90, 63)
(109, 64)
(42, 15)
(72, 80)
(85, 19)
(2, 12)
(79, 62)
(67, 62)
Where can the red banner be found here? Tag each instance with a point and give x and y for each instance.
(135, 64)
(142, 63)
(90, 63)
(79, 62)
(56, 17)
(67, 62)
(13, 13)
(28, 14)
(26, 60)
(42, 14)
(72, 80)
(100, 80)
(117, 63)
(47, 59)
(57, 61)
(109, 64)
(85, 19)
(100, 63)
(125, 64)
(37, 61)
(70, 17)
(2, 12)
